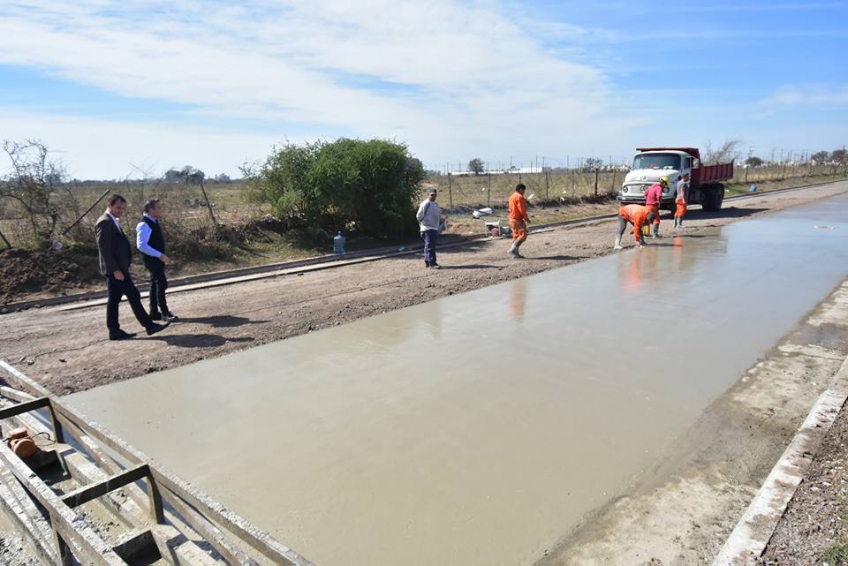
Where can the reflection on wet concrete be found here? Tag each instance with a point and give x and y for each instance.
(479, 428)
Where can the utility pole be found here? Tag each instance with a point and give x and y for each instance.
(748, 163)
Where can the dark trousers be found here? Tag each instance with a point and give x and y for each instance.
(117, 290)
(430, 237)
(158, 285)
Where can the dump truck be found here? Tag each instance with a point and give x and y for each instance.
(650, 164)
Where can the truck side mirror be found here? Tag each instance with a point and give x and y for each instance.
(696, 163)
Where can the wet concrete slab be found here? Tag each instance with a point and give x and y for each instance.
(479, 428)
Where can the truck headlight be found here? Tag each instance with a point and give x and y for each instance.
(625, 190)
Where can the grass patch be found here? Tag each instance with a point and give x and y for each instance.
(836, 555)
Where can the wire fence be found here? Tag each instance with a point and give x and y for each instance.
(460, 191)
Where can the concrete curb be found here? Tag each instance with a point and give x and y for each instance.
(240, 275)
(754, 530)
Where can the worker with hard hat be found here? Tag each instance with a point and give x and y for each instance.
(653, 200)
(637, 215)
(680, 199)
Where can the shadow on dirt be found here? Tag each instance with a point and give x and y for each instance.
(198, 340)
(222, 321)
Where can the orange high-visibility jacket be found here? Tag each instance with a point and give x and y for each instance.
(518, 207)
(637, 215)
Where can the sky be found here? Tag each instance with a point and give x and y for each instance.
(126, 89)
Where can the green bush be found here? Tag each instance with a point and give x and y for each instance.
(365, 186)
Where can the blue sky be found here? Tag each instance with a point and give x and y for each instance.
(122, 89)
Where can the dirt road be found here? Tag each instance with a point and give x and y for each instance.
(67, 351)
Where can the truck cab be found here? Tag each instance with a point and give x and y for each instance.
(651, 164)
(648, 168)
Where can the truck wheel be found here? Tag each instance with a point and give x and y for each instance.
(713, 198)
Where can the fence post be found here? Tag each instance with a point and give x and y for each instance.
(597, 174)
(489, 190)
(614, 175)
(450, 190)
(547, 187)
(208, 204)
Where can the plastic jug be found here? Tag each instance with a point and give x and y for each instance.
(339, 243)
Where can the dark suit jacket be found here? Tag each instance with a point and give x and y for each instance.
(113, 245)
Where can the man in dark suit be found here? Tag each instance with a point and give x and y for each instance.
(115, 258)
(151, 243)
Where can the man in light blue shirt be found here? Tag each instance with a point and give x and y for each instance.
(428, 221)
(151, 243)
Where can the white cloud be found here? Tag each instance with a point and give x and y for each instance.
(469, 75)
(807, 95)
(92, 148)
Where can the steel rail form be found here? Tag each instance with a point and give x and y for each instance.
(120, 467)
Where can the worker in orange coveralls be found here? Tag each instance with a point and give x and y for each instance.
(653, 199)
(518, 219)
(680, 200)
(637, 215)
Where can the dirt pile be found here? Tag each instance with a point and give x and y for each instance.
(24, 272)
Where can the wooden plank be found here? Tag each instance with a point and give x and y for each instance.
(92, 491)
(67, 524)
(24, 512)
(208, 531)
(15, 394)
(255, 537)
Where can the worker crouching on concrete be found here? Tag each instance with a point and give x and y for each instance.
(638, 216)
(518, 220)
(680, 199)
(653, 199)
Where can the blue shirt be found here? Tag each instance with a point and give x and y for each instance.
(142, 237)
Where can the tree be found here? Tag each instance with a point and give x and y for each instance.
(820, 157)
(476, 165)
(34, 184)
(369, 185)
(839, 156)
(187, 174)
(724, 153)
(592, 163)
(753, 162)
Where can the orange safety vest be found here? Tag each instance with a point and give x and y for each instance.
(637, 215)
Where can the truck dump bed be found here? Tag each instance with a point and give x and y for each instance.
(706, 174)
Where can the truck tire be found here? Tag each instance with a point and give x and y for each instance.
(713, 198)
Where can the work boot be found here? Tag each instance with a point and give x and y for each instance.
(513, 249)
(617, 245)
(154, 328)
(656, 232)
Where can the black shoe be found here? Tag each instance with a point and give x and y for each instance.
(435, 266)
(156, 316)
(154, 328)
(170, 317)
(120, 335)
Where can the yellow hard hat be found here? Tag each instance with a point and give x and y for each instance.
(664, 180)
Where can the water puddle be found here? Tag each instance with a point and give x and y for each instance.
(477, 429)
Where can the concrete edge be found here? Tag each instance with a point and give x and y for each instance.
(752, 533)
(239, 275)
